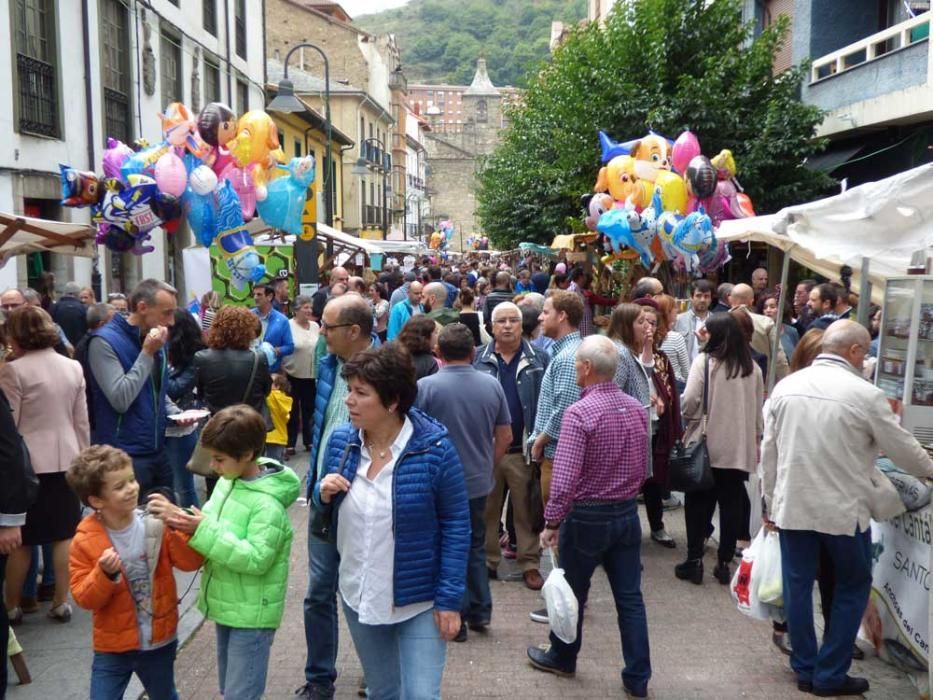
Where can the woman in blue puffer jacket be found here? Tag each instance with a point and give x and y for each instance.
(401, 521)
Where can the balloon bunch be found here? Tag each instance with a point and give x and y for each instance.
(659, 198)
(213, 168)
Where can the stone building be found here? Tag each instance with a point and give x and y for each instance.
(454, 152)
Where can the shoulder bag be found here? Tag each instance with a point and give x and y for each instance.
(200, 462)
(322, 518)
(689, 468)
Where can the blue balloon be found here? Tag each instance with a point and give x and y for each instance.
(285, 202)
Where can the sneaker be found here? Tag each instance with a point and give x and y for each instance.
(663, 539)
(539, 616)
(672, 503)
(61, 613)
(314, 692)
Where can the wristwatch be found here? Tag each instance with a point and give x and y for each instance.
(550, 525)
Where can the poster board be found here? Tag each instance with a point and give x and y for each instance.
(276, 258)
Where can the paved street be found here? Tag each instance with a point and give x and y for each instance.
(702, 648)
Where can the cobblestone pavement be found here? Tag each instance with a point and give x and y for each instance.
(701, 647)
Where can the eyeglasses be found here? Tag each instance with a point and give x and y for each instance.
(327, 327)
(504, 321)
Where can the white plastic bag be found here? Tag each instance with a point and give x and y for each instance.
(562, 610)
(744, 585)
(768, 570)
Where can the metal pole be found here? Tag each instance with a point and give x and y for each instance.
(779, 326)
(864, 294)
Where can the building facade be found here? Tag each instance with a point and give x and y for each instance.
(80, 72)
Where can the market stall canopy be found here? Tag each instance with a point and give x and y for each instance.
(569, 241)
(259, 229)
(538, 249)
(402, 247)
(24, 234)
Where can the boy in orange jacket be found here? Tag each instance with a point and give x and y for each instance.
(121, 562)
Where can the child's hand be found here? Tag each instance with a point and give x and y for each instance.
(184, 521)
(110, 561)
(160, 506)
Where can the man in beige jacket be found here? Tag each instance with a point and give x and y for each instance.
(824, 427)
(743, 297)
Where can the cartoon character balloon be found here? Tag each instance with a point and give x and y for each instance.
(180, 129)
(624, 227)
(256, 148)
(115, 156)
(652, 155)
(618, 178)
(701, 177)
(596, 205)
(284, 205)
(217, 127)
(692, 236)
(234, 241)
(79, 188)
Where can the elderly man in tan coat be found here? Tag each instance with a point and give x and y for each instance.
(824, 427)
(743, 297)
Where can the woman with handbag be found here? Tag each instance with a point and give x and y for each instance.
(645, 373)
(184, 340)
(721, 405)
(402, 530)
(229, 372)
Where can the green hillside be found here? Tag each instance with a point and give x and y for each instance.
(440, 40)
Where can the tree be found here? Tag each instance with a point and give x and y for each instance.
(666, 65)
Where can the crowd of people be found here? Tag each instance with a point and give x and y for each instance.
(451, 417)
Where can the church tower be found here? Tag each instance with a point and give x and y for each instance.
(482, 109)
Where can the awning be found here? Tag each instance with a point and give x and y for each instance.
(402, 247)
(263, 233)
(833, 157)
(537, 248)
(568, 241)
(23, 234)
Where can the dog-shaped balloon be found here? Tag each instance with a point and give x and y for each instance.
(624, 227)
(618, 178)
(256, 148)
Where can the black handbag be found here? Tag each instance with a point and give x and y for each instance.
(688, 467)
(534, 499)
(322, 518)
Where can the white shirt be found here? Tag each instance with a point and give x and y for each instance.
(366, 542)
(300, 363)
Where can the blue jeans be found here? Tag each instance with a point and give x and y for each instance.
(179, 450)
(321, 612)
(153, 472)
(404, 660)
(111, 673)
(610, 535)
(477, 600)
(30, 588)
(826, 666)
(243, 661)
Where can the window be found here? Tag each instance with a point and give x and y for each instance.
(298, 148)
(115, 69)
(242, 97)
(211, 82)
(209, 16)
(240, 27)
(36, 67)
(170, 59)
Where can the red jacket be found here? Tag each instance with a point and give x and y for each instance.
(115, 627)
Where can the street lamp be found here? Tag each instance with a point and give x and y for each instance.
(361, 168)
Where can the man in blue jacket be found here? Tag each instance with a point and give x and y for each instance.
(275, 328)
(403, 311)
(129, 370)
(346, 324)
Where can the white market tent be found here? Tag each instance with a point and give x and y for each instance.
(24, 234)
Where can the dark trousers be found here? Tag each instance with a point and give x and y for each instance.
(153, 472)
(609, 535)
(303, 391)
(825, 666)
(477, 599)
(727, 490)
(4, 630)
(320, 612)
(654, 504)
(825, 581)
(111, 673)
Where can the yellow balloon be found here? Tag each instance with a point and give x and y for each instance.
(673, 191)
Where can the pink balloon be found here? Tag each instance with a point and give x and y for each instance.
(686, 147)
(170, 175)
(243, 185)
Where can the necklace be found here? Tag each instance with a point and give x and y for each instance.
(371, 446)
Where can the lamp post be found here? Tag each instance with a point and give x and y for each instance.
(361, 168)
(306, 252)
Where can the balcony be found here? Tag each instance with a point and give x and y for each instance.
(879, 79)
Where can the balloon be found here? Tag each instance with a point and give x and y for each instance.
(256, 148)
(79, 188)
(244, 187)
(170, 174)
(115, 156)
(596, 205)
(180, 130)
(673, 191)
(686, 148)
(724, 163)
(624, 227)
(234, 242)
(285, 203)
(745, 204)
(692, 236)
(143, 163)
(217, 124)
(652, 155)
(137, 207)
(619, 179)
(701, 177)
(119, 241)
(203, 180)
(715, 256)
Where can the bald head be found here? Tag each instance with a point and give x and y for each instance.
(597, 360)
(847, 339)
(346, 325)
(339, 275)
(742, 295)
(435, 295)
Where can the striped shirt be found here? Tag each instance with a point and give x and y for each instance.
(558, 390)
(602, 454)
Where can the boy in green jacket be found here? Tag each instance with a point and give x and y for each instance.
(245, 537)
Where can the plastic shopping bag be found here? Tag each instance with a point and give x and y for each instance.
(562, 610)
(744, 585)
(770, 585)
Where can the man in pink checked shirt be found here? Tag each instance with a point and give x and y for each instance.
(600, 464)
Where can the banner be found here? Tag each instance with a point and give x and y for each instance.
(276, 258)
